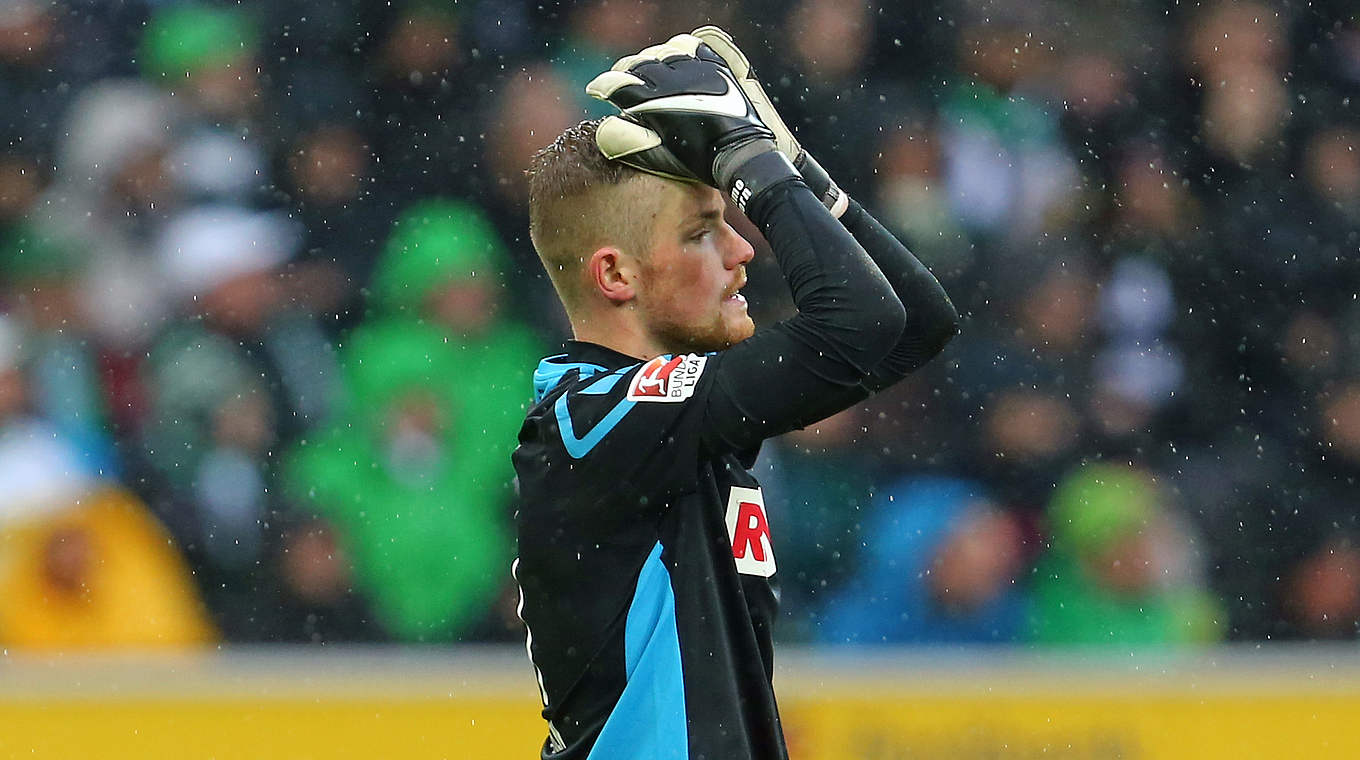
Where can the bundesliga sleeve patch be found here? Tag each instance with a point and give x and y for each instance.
(670, 379)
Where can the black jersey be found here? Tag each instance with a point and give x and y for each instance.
(647, 564)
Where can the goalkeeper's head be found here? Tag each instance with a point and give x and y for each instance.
(643, 264)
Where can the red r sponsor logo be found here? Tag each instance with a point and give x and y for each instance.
(751, 532)
(749, 529)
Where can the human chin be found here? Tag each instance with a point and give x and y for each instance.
(740, 328)
(735, 315)
(724, 332)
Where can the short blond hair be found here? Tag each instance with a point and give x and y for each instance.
(580, 201)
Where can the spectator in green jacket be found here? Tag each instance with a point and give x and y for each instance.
(416, 474)
(1122, 569)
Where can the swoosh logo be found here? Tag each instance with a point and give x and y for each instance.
(730, 103)
(579, 447)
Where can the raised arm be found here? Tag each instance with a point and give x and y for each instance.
(822, 359)
(684, 116)
(931, 318)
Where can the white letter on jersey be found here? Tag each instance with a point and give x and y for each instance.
(749, 530)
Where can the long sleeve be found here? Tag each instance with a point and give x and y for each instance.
(932, 319)
(822, 359)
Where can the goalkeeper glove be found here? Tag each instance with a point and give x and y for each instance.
(814, 175)
(685, 117)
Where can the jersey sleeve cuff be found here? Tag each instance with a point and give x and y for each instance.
(756, 176)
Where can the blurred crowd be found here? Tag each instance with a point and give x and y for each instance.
(269, 315)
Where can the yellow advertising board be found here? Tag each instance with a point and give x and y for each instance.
(1073, 728)
(1226, 704)
(886, 705)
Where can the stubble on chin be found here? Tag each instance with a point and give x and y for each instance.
(730, 334)
(716, 336)
(743, 330)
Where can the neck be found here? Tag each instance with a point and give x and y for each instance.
(618, 329)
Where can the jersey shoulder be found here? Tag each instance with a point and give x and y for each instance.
(585, 406)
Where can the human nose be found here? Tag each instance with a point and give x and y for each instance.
(739, 249)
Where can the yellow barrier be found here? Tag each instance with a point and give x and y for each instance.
(1225, 704)
(889, 705)
(278, 703)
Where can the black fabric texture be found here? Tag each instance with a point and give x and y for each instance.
(932, 319)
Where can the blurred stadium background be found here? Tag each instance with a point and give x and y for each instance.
(268, 313)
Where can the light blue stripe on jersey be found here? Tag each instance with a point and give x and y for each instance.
(549, 373)
(605, 384)
(579, 447)
(648, 722)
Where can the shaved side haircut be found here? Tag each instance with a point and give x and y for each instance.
(579, 202)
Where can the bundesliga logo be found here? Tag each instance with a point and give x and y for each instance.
(663, 379)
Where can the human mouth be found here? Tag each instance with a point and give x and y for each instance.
(734, 293)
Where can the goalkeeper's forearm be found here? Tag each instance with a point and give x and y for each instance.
(932, 319)
(819, 361)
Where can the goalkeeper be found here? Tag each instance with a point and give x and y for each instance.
(647, 563)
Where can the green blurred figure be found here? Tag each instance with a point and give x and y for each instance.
(1121, 569)
(206, 52)
(416, 473)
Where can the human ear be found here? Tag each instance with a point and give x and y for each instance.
(613, 274)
